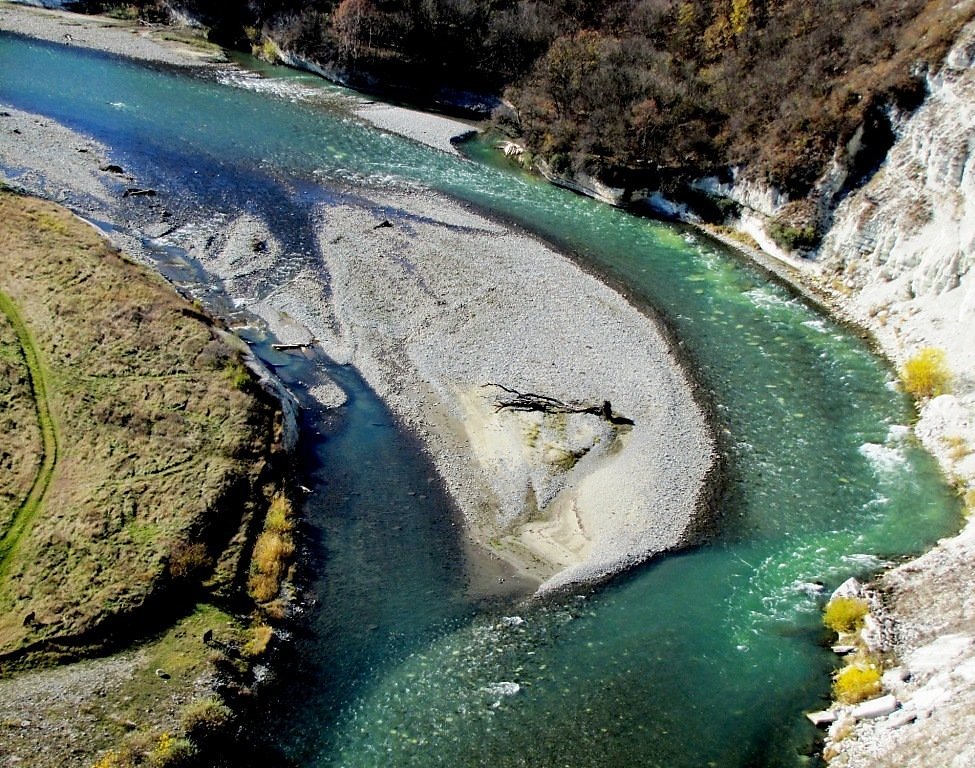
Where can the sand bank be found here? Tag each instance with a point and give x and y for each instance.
(435, 304)
(443, 303)
(435, 131)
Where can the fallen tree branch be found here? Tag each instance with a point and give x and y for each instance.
(513, 400)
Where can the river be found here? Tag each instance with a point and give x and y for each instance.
(706, 658)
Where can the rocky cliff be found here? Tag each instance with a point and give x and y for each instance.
(901, 249)
(896, 253)
(898, 256)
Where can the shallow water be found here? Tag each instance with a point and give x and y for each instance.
(704, 658)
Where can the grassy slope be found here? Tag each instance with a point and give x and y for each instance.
(117, 706)
(159, 450)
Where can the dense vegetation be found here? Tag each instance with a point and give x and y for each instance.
(686, 87)
(641, 91)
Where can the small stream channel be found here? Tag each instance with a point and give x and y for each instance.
(706, 658)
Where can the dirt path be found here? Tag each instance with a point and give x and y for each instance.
(49, 437)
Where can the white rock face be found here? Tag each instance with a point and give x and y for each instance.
(752, 195)
(904, 244)
(879, 707)
(901, 249)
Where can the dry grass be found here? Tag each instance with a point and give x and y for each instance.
(272, 551)
(957, 446)
(154, 437)
(260, 639)
(204, 719)
(280, 515)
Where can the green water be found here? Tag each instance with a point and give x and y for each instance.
(705, 658)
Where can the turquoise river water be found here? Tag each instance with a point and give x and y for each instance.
(706, 658)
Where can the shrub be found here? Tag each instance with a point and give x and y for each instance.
(145, 748)
(845, 614)
(171, 752)
(273, 550)
(279, 515)
(122, 12)
(257, 645)
(188, 560)
(271, 553)
(237, 374)
(793, 238)
(560, 164)
(263, 586)
(203, 719)
(267, 51)
(112, 759)
(926, 374)
(856, 682)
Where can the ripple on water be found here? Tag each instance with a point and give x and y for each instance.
(884, 459)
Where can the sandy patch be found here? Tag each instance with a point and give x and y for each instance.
(104, 34)
(435, 131)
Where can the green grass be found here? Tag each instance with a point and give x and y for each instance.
(20, 449)
(49, 449)
(162, 695)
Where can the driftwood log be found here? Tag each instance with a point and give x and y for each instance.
(508, 399)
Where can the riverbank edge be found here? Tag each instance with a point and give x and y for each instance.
(906, 618)
(705, 520)
(901, 621)
(809, 285)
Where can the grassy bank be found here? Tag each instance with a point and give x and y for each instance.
(138, 471)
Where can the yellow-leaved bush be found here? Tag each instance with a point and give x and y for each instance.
(856, 682)
(926, 374)
(845, 614)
